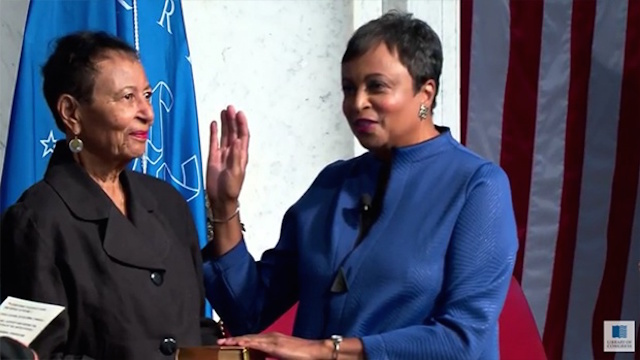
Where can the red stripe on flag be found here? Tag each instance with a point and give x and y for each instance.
(466, 26)
(624, 189)
(520, 107)
(582, 26)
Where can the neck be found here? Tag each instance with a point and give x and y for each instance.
(383, 154)
(106, 174)
(426, 132)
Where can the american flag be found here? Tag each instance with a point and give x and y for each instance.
(551, 92)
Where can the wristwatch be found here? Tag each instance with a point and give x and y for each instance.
(337, 340)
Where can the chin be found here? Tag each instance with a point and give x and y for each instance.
(128, 156)
(367, 145)
(135, 151)
(134, 155)
(370, 143)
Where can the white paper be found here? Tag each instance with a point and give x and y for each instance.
(23, 320)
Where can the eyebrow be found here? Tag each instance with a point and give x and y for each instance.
(133, 87)
(367, 77)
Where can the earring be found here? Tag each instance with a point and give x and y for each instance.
(76, 145)
(424, 112)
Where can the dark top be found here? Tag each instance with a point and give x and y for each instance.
(131, 286)
(11, 349)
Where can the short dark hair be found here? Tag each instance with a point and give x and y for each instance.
(415, 42)
(71, 67)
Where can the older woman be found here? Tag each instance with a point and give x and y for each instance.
(116, 248)
(405, 252)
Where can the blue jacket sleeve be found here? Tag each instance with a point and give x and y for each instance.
(248, 295)
(478, 270)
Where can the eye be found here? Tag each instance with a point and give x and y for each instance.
(348, 89)
(147, 95)
(375, 86)
(128, 96)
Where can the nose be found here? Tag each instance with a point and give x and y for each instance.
(145, 112)
(361, 100)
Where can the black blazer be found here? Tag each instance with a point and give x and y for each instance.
(132, 287)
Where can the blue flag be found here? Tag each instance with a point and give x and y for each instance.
(156, 29)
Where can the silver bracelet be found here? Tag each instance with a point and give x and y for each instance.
(222, 221)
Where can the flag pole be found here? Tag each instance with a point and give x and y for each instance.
(136, 42)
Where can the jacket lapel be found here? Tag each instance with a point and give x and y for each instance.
(346, 220)
(141, 245)
(140, 240)
(143, 240)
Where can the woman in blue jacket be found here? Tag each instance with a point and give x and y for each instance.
(405, 252)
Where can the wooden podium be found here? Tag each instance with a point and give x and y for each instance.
(217, 353)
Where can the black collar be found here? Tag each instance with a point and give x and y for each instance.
(83, 195)
(143, 240)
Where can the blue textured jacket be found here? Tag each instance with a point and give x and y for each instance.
(427, 282)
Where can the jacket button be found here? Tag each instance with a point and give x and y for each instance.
(168, 346)
(157, 278)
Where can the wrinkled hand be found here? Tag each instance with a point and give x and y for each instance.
(228, 157)
(278, 345)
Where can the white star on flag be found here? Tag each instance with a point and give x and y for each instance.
(49, 144)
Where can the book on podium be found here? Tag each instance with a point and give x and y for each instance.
(217, 353)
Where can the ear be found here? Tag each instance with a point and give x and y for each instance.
(69, 111)
(428, 92)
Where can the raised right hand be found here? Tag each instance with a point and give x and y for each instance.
(228, 159)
